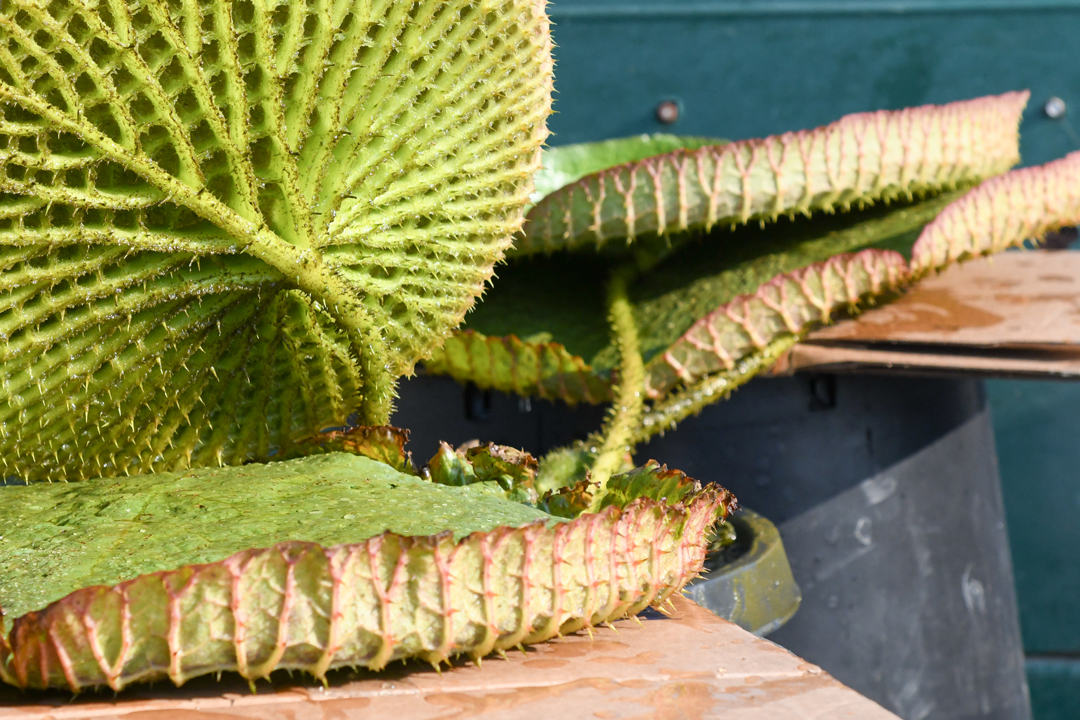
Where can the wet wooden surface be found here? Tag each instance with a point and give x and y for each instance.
(1014, 314)
(691, 665)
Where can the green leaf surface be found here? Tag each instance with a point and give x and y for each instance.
(566, 164)
(226, 225)
(307, 607)
(59, 537)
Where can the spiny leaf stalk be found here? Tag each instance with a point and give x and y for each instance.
(625, 415)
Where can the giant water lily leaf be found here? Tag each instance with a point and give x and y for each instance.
(854, 162)
(228, 224)
(859, 159)
(786, 305)
(1004, 212)
(745, 332)
(60, 537)
(506, 574)
(706, 274)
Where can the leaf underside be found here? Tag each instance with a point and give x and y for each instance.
(223, 222)
(685, 278)
(786, 305)
(308, 606)
(859, 159)
(1003, 212)
(745, 335)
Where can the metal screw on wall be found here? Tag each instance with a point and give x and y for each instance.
(667, 112)
(1054, 108)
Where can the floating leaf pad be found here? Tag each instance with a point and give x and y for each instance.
(302, 605)
(60, 537)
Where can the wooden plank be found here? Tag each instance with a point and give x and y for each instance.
(692, 664)
(937, 361)
(1016, 314)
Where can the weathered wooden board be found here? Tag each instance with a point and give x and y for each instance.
(691, 665)
(1016, 314)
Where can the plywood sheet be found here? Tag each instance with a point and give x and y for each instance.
(1015, 314)
(932, 360)
(692, 665)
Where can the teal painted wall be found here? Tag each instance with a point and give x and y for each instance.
(1055, 688)
(1037, 429)
(746, 68)
(743, 72)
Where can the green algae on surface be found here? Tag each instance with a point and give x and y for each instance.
(57, 538)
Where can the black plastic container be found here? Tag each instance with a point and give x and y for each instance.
(887, 496)
(886, 493)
